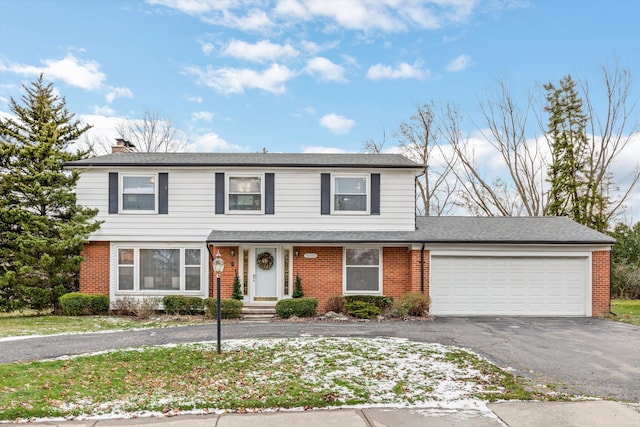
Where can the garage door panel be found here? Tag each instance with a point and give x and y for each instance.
(472, 285)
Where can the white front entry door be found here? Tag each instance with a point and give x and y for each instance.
(266, 277)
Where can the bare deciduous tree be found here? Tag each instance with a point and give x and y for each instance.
(420, 139)
(152, 134)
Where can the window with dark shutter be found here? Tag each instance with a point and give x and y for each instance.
(325, 194)
(375, 194)
(163, 193)
(269, 193)
(113, 192)
(219, 183)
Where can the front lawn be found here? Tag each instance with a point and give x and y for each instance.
(23, 324)
(251, 374)
(626, 310)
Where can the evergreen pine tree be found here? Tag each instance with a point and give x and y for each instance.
(297, 290)
(237, 288)
(573, 192)
(43, 230)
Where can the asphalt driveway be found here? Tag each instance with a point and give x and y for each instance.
(581, 355)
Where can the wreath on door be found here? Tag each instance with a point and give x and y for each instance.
(265, 261)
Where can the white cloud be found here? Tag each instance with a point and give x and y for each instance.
(71, 70)
(461, 63)
(118, 92)
(104, 111)
(402, 71)
(309, 110)
(262, 51)
(196, 99)
(325, 70)
(337, 124)
(318, 149)
(236, 80)
(207, 48)
(211, 142)
(204, 116)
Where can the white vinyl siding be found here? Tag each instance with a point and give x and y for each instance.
(191, 205)
(530, 285)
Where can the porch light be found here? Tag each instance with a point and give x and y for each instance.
(218, 265)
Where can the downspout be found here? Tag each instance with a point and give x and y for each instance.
(422, 269)
(610, 279)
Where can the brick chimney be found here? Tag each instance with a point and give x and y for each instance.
(122, 146)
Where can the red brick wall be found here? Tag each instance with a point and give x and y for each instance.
(94, 270)
(322, 276)
(416, 277)
(600, 283)
(396, 271)
(228, 274)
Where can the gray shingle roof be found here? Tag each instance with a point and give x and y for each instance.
(513, 230)
(248, 160)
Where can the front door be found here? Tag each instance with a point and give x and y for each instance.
(266, 277)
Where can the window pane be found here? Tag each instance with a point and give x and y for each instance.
(138, 202)
(192, 277)
(138, 185)
(244, 185)
(362, 279)
(350, 203)
(125, 278)
(245, 202)
(363, 256)
(125, 256)
(192, 256)
(351, 186)
(159, 269)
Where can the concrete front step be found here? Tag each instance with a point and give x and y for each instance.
(258, 312)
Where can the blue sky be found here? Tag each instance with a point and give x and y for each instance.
(301, 75)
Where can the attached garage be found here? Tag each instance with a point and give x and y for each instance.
(526, 284)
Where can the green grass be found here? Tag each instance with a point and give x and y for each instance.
(627, 311)
(23, 324)
(284, 373)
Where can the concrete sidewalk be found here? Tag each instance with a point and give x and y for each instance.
(511, 414)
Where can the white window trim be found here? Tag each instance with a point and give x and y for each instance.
(138, 290)
(345, 291)
(228, 209)
(367, 178)
(121, 193)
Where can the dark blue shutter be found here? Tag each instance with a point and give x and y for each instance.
(113, 192)
(269, 193)
(163, 193)
(219, 193)
(325, 194)
(375, 194)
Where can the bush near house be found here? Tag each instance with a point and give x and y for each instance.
(78, 304)
(362, 310)
(300, 307)
(142, 308)
(180, 304)
(410, 304)
(335, 303)
(381, 302)
(229, 308)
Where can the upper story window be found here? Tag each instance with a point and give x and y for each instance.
(139, 193)
(245, 193)
(350, 193)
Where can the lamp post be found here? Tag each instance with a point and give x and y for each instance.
(218, 266)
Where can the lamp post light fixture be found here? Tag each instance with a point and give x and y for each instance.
(218, 266)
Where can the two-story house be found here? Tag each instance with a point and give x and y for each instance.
(343, 223)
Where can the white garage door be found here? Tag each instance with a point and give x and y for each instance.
(523, 286)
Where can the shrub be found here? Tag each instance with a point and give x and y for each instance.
(300, 307)
(336, 304)
(410, 304)
(78, 304)
(229, 308)
(237, 288)
(141, 308)
(36, 298)
(297, 290)
(625, 281)
(383, 303)
(362, 310)
(180, 304)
